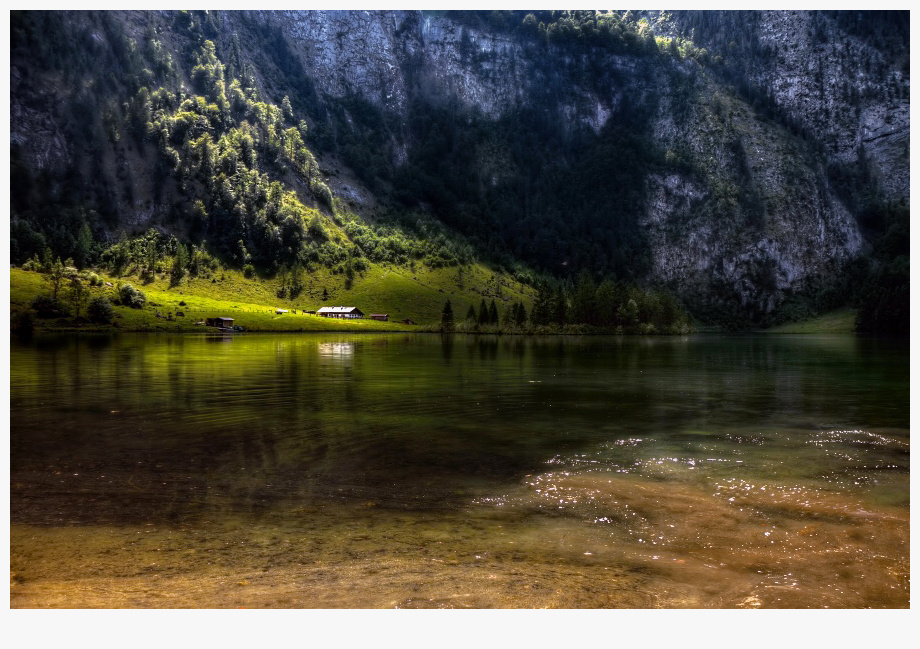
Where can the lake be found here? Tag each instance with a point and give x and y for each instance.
(420, 471)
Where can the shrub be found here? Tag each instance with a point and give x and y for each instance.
(23, 323)
(47, 306)
(130, 296)
(248, 271)
(323, 195)
(316, 231)
(100, 310)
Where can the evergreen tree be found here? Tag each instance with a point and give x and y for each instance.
(483, 313)
(147, 254)
(560, 307)
(180, 264)
(471, 315)
(605, 308)
(670, 310)
(297, 279)
(542, 305)
(620, 297)
(84, 248)
(493, 313)
(583, 305)
(447, 317)
(520, 317)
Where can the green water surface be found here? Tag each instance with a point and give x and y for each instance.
(419, 470)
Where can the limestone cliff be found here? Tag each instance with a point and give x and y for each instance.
(740, 199)
(700, 235)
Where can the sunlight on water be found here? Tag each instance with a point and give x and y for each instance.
(416, 472)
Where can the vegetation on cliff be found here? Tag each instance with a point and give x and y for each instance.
(231, 152)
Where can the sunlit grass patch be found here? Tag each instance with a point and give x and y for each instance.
(834, 322)
(400, 292)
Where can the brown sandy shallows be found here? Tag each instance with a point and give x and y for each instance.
(560, 540)
(771, 544)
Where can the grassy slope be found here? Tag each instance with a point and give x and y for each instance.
(398, 291)
(835, 322)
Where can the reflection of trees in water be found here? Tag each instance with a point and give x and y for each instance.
(179, 426)
(447, 347)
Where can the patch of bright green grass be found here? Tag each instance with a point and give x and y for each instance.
(400, 292)
(834, 322)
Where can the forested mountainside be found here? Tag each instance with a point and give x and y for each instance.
(754, 165)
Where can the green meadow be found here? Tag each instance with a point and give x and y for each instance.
(400, 292)
(840, 321)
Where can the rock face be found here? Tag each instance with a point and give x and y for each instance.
(702, 239)
(744, 209)
(818, 81)
(839, 88)
(386, 56)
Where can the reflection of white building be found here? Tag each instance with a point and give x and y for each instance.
(336, 350)
(340, 312)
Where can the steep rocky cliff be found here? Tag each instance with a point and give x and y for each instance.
(799, 230)
(723, 174)
(842, 81)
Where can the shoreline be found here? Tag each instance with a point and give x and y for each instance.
(752, 332)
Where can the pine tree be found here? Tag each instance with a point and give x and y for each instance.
(471, 314)
(560, 307)
(542, 308)
(296, 279)
(493, 313)
(520, 316)
(605, 304)
(84, 247)
(180, 263)
(483, 313)
(583, 302)
(447, 317)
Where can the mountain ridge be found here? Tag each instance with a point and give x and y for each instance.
(564, 141)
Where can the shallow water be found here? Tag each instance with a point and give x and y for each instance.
(416, 471)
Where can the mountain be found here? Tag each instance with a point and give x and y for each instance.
(753, 164)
